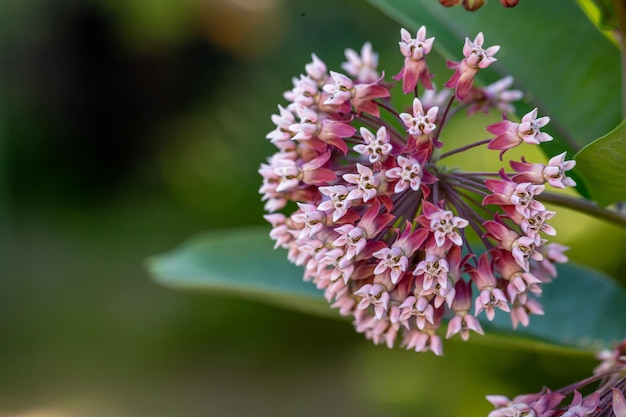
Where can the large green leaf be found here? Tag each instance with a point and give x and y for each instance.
(584, 310)
(557, 56)
(238, 262)
(602, 166)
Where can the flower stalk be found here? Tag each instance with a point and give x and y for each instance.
(584, 206)
(619, 8)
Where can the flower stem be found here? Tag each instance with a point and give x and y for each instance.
(620, 11)
(466, 147)
(584, 206)
(443, 119)
(386, 107)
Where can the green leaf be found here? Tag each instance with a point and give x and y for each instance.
(602, 14)
(602, 166)
(556, 55)
(239, 262)
(585, 310)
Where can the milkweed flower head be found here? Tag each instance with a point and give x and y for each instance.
(360, 196)
(605, 399)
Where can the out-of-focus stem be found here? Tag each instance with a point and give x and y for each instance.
(583, 206)
(620, 10)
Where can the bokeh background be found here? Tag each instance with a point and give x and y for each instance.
(128, 126)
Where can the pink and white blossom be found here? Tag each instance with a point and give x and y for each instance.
(408, 173)
(414, 68)
(510, 134)
(420, 123)
(376, 148)
(366, 183)
(359, 195)
(362, 66)
(476, 57)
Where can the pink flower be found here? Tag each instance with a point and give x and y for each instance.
(606, 399)
(317, 70)
(364, 66)
(392, 259)
(528, 129)
(376, 148)
(330, 131)
(443, 224)
(375, 295)
(352, 238)
(463, 322)
(433, 269)
(611, 359)
(305, 92)
(420, 123)
(536, 223)
(365, 203)
(408, 173)
(419, 308)
(414, 68)
(554, 173)
(475, 58)
(489, 297)
(520, 311)
(510, 134)
(580, 408)
(361, 95)
(619, 403)
(494, 96)
(312, 219)
(519, 195)
(367, 183)
(337, 202)
(537, 405)
(281, 136)
(341, 91)
(423, 341)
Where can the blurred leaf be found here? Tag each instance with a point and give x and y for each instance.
(601, 165)
(585, 310)
(239, 262)
(555, 53)
(602, 14)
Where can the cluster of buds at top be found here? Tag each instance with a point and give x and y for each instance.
(472, 5)
(359, 195)
(607, 400)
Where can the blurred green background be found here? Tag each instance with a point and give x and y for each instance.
(128, 126)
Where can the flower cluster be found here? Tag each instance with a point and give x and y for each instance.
(390, 234)
(607, 400)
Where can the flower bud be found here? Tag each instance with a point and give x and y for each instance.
(509, 3)
(450, 3)
(473, 5)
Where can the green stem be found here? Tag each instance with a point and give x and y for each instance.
(584, 206)
(619, 7)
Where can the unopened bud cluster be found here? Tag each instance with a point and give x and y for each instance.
(359, 195)
(472, 5)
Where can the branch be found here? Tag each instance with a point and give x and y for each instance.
(584, 206)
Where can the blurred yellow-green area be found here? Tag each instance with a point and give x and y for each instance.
(128, 126)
